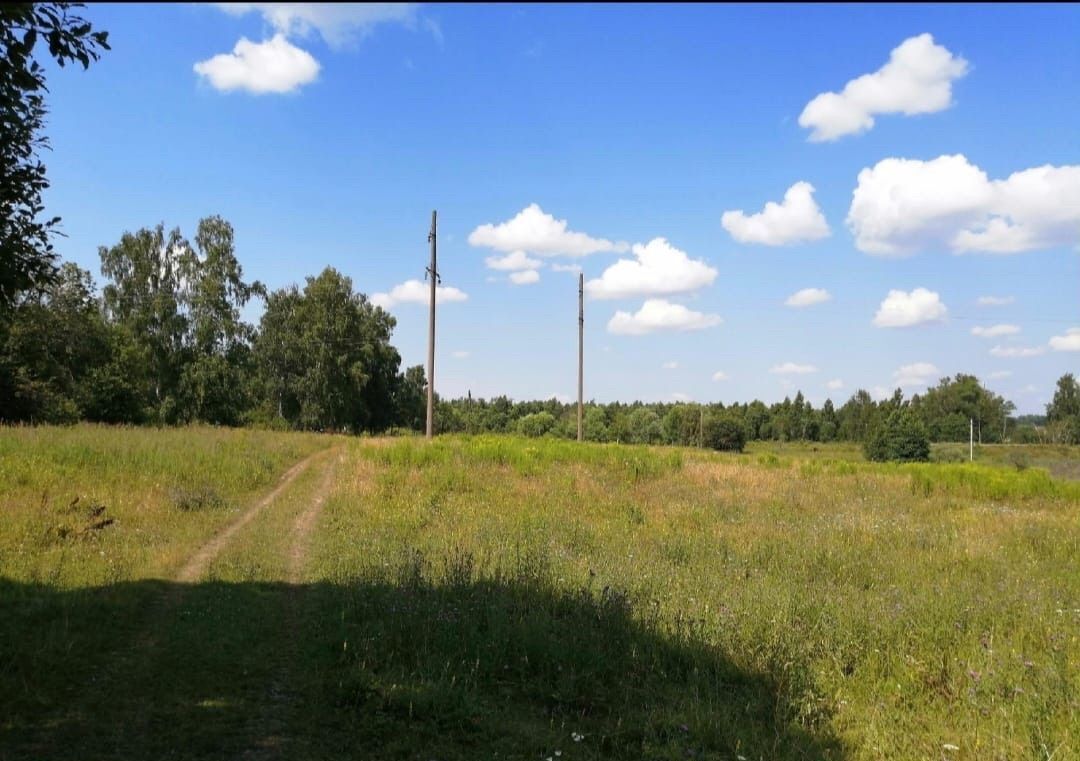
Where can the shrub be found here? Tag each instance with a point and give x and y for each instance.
(724, 431)
(536, 424)
(901, 438)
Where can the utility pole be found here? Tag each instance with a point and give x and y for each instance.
(433, 276)
(580, 355)
(971, 440)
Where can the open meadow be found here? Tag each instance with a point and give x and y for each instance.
(212, 593)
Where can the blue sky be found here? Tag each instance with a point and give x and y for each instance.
(629, 124)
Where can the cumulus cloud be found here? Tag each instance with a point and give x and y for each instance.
(273, 66)
(791, 368)
(460, 355)
(995, 330)
(1068, 342)
(835, 384)
(525, 277)
(678, 396)
(575, 268)
(336, 23)
(901, 309)
(995, 301)
(659, 314)
(916, 80)
(1017, 352)
(277, 65)
(659, 269)
(533, 231)
(916, 374)
(901, 206)
(998, 374)
(513, 262)
(808, 297)
(797, 219)
(670, 365)
(416, 292)
(719, 375)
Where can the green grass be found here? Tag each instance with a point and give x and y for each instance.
(494, 597)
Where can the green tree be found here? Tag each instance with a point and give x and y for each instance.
(325, 356)
(724, 431)
(643, 427)
(410, 399)
(536, 423)
(901, 437)
(27, 258)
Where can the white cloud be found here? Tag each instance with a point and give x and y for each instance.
(797, 219)
(273, 66)
(670, 365)
(336, 23)
(1017, 352)
(808, 297)
(678, 396)
(880, 393)
(995, 301)
(512, 262)
(995, 330)
(1029, 389)
(791, 368)
(658, 314)
(660, 269)
(835, 384)
(902, 310)
(575, 268)
(999, 374)
(901, 206)
(525, 277)
(416, 292)
(719, 375)
(916, 374)
(460, 355)
(536, 232)
(1068, 342)
(917, 80)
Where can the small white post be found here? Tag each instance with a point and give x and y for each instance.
(971, 441)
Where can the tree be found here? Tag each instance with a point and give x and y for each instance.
(724, 431)
(643, 427)
(902, 437)
(27, 258)
(144, 298)
(410, 399)
(325, 356)
(536, 423)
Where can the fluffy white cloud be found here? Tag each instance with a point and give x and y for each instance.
(791, 368)
(901, 309)
(916, 374)
(917, 80)
(512, 262)
(901, 206)
(995, 330)
(999, 374)
(880, 393)
(678, 396)
(273, 66)
(808, 297)
(416, 292)
(575, 268)
(797, 219)
(536, 232)
(670, 365)
(1068, 342)
(460, 355)
(1017, 352)
(659, 269)
(336, 23)
(719, 375)
(835, 384)
(525, 277)
(995, 301)
(658, 314)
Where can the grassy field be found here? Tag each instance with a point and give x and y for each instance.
(502, 598)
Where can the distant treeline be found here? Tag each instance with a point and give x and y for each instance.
(163, 343)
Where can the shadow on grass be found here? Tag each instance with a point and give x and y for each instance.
(399, 667)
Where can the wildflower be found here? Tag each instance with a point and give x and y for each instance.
(576, 737)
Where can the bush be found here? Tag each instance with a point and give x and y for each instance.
(724, 432)
(536, 424)
(901, 438)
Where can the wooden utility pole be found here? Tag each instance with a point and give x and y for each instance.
(580, 356)
(433, 276)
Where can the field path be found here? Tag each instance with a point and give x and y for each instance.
(306, 520)
(194, 568)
